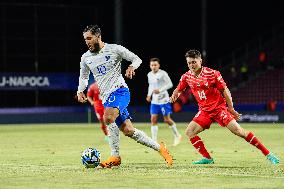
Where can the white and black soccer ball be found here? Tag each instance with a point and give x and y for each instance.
(91, 157)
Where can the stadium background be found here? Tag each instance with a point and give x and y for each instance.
(244, 40)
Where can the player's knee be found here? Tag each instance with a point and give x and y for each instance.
(167, 120)
(190, 132)
(108, 119)
(154, 120)
(239, 132)
(128, 131)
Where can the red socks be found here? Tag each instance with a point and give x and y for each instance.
(255, 142)
(199, 145)
(104, 129)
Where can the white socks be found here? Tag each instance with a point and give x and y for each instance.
(154, 132)
(175, 131)
(113, 134)
(140, 137)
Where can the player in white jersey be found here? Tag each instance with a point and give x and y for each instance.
(104, 61)
(159, 83)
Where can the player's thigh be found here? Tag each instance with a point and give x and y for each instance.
(110, 114)
(155, 109)
(193, 129)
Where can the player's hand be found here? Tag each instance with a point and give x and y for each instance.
(236, 114)
(173, 99)
(156, 91)
(174, 96)
(130, 72)
(81, 97)
(148, 99)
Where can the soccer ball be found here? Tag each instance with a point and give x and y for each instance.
(91, 157)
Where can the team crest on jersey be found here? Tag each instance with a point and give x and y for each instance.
(107, 58)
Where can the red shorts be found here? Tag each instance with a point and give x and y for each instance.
(221, 116)
(99, 112)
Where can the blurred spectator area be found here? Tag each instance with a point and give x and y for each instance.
(262, 89)
(255, 72)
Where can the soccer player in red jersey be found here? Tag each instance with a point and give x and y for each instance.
(93, 96)
(215, 105)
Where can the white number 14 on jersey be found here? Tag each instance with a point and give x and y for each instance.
(202, 95)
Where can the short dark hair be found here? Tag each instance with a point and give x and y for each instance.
(193, 54)
(155, 59)
(94, 29)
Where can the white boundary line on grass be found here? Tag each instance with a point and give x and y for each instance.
(243, 175)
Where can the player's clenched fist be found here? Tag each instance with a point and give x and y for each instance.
(130, 72)
(81, 97)
(174, 96)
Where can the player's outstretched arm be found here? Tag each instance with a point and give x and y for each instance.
(175, 95)
(229, 101)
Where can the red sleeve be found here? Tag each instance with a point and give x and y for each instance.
(220, 83)
(90, 92)
(182, 83)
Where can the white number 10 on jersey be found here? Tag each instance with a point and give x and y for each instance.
(202, 95)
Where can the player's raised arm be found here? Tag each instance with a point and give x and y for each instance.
(129, 56)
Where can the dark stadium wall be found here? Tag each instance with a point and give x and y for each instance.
(161, 29)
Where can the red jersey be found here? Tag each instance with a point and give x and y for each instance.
(94, 93)
(205, 87)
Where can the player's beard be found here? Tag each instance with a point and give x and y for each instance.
(96, 48)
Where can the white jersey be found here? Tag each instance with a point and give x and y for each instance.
(106, 68)
(162, 82)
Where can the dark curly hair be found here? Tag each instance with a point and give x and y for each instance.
(94, 29)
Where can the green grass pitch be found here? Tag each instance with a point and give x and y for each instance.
(48, 156)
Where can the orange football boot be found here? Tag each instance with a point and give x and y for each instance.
(111, 162)
(165, 154)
